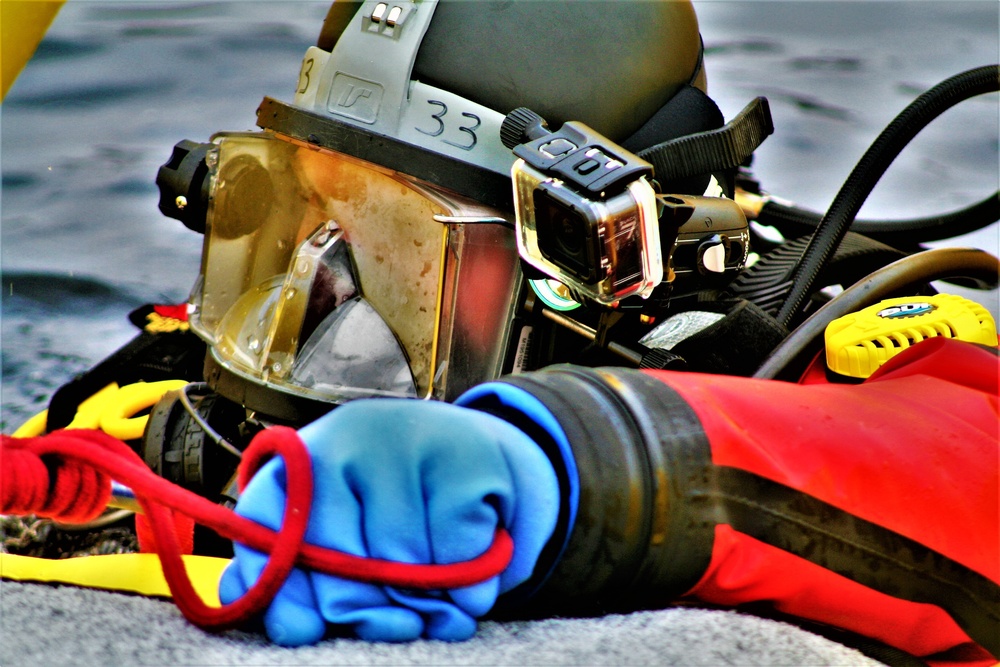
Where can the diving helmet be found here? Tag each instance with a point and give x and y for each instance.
(362, 243)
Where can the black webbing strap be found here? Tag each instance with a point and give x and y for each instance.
(715, 150)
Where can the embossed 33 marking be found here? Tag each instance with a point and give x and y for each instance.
(441, 125)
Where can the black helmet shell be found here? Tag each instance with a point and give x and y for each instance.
(610, 64)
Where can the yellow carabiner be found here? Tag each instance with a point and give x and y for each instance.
(111, 410)
(88, 415)
(118, 421)
(34, 427)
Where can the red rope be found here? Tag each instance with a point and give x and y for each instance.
(66, 475)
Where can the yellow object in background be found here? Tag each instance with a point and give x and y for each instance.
(22, 25)
(857, 344)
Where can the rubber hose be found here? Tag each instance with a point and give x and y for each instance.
(790, 358)
(870, 169)
(903, 234)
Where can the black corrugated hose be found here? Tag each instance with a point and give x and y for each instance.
(904, 234)
(870, 169)
(792, 356)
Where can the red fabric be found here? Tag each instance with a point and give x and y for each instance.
(913, 449)
(906, 450)
(32, 482)
(72, 455)
(949, 360)
(177, 312)
(183, 529)
(744, 569)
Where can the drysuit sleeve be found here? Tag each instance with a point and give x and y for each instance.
(872, 508)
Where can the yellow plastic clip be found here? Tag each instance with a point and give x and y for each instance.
(857, 344)
(34, 427)
(88, 415)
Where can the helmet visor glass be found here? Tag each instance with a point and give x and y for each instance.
(328, 276)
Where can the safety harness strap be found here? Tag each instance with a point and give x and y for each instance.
(714, 150)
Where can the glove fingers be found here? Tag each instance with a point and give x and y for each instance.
(371, 488)
(386, 614)
(436, 497)
(432, 497)
(510, 483)
(385, 624)
(337, 598)
(442, 619)
(241, 573)
(463, 510)
(231, 584)
(478, 599)
(292, 619)
(366, 609)
(426, 493)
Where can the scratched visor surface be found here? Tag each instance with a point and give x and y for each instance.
(295, 232)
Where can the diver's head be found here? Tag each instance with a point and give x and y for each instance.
(362, 244)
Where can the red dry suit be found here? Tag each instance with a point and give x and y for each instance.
(870, 508)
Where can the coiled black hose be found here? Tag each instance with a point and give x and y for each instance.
(788, 360)
(870, 169)
(905, 234)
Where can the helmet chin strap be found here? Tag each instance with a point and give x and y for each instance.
(379, 95)
(368, 90)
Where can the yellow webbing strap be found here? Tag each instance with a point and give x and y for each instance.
(131, 573)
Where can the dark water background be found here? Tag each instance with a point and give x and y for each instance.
(116, 84)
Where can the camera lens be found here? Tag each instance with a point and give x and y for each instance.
(566, 237)
(571, 236)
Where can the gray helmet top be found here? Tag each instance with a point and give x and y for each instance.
(441, 75)
(608, 63)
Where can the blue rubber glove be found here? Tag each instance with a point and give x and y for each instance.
(408, 481)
